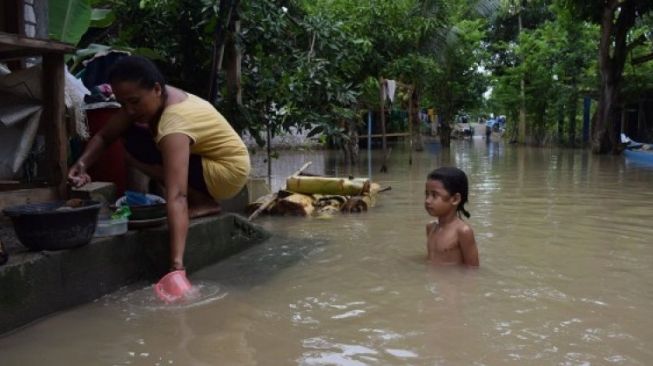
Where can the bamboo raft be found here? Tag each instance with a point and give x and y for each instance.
(309, 195)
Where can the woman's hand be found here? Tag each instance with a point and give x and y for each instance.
(77, 175)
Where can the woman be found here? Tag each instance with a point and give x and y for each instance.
(174, 137)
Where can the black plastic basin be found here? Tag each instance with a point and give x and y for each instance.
(51, 226)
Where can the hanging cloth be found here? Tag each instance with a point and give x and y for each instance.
(390, 87)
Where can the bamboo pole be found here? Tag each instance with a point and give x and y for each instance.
(328, 185)
(275, 195)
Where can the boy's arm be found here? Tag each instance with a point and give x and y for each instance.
(430, 250)
(468, 246)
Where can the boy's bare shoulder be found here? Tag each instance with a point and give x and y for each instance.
(430, 227)
(464, 228)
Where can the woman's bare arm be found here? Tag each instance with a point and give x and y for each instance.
(116, 126)
(175, 149)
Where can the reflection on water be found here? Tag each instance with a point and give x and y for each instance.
(565, 277)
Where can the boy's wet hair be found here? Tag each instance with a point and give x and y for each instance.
(454, 181)
(139, 70)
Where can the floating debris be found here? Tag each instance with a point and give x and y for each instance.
(309, 195)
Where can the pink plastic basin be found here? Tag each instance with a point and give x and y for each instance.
(173, 286)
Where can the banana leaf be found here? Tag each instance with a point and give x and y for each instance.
(68, 20)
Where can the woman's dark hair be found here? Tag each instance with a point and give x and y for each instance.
(454, 181)
(138, 70)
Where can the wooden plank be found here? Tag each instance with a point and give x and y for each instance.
(16, 54)
(24, 196)
(14, 45)
(53, 120)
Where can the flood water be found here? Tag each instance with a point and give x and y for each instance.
(566, 249)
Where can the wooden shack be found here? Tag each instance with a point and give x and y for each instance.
(20, 22)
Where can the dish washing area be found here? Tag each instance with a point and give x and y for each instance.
(78, 250)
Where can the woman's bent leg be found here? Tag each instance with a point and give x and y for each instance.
(201, 204)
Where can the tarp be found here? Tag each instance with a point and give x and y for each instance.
(20, 113)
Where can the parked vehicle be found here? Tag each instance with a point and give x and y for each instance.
(462, 130)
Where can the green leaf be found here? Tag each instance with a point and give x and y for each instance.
(150, 53)
(69, 19)
(91, 50)
(102, 18)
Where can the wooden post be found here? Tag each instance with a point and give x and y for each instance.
(410, 125)
(52, 120)
(384, 167)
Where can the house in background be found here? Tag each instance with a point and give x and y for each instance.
(24, 17)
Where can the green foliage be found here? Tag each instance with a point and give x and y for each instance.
(295, 71)
(102, 18)
(556, 59)
(315, 64)
(176, 32)
(68, 19)
(455, 80)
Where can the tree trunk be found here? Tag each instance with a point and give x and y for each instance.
(521, 129)
(350, 145)
(445, 131)
(232, 62)
(219, 35)
(418, 144)
(605, 131)
(573, 110)
(602, 141)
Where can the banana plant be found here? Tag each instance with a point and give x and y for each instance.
(69, 20)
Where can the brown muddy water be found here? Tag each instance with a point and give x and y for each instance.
(566, 248)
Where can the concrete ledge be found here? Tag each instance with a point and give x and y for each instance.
(35, 284)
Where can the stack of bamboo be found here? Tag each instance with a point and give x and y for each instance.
(307, 195)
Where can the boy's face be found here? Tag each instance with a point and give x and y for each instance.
(437, 200)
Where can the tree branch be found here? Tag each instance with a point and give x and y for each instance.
(624, 23)
(637, 42)
(641, 59)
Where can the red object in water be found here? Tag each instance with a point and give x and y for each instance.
(110, 167)
(173, 287)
